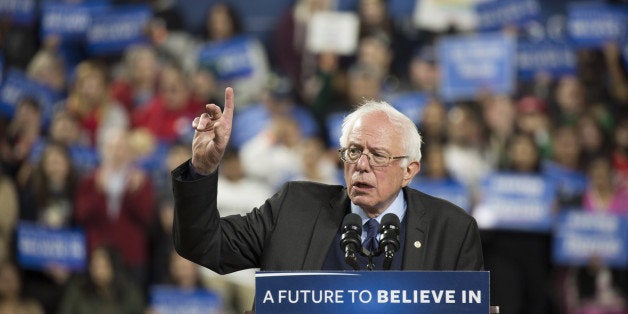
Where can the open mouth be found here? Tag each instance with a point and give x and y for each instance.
(361, 186)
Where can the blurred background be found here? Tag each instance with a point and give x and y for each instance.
(522, 105)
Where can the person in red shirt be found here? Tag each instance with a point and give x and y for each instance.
(115, 204)
(169, 114)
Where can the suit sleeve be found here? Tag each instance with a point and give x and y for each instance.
(471, 257)
(200, 235)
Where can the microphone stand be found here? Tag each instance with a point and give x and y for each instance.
(366, 253)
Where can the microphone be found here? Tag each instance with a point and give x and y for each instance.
(351, 238)
(389, 230)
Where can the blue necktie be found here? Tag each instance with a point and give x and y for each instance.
(371, 227)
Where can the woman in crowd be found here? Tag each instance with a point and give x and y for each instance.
(104, 288)
(48, 200)
(89, 99)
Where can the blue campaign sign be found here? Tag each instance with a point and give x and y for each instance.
(447, 189)
(253, 119)
(493, 15)
(516, 201)
(333, 122)
(70, 21)
(570, 183)
(624, 52)
(592, 24)
(114, 31)
(174, 300)
(372, 292)
(411, 104)
(228, 60)
(17, 85)
(39, 247)
(580, 236)
(475, 64)
(556, 59)
(22, 12)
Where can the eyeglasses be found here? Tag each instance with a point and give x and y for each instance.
(351, 155)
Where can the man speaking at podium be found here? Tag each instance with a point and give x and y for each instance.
(311, 226)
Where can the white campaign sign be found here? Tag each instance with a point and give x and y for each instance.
(335, 32)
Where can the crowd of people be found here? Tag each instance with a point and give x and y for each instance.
(101, 161)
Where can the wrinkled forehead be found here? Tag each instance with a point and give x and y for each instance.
(377, 130)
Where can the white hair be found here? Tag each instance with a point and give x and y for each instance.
(410, 136)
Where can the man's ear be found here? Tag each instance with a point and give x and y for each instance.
(410, 171)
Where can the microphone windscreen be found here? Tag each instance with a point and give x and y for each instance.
(354, 222)
(389, 219)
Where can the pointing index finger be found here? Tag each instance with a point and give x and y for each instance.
(229, 104)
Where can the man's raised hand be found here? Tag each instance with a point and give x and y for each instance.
(211, 135)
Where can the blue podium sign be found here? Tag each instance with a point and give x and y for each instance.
(372, 292)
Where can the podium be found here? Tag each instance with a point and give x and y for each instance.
(373, 292)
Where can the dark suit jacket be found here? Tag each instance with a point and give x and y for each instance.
(294, 229)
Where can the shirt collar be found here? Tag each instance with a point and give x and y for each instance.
(398, 207)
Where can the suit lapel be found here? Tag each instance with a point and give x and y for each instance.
(325, 229)
(417, 228)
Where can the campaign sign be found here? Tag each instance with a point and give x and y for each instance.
(439, 15)
(492, 15)
(174, 300)
(570, 183)
(475, 64)
(252, 120)
(580, 236)
(372, 292)
(333, 123)
(624, 52)
(411, 104)
(18, 85)
(22, 12)
(228, 60)
(592, 24)
(516, 201)
(39, 247)
(556, 59)
(447, 189)
(69, 21)
(335, 32)
(114, 31)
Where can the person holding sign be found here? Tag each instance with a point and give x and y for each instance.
(299, 228)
